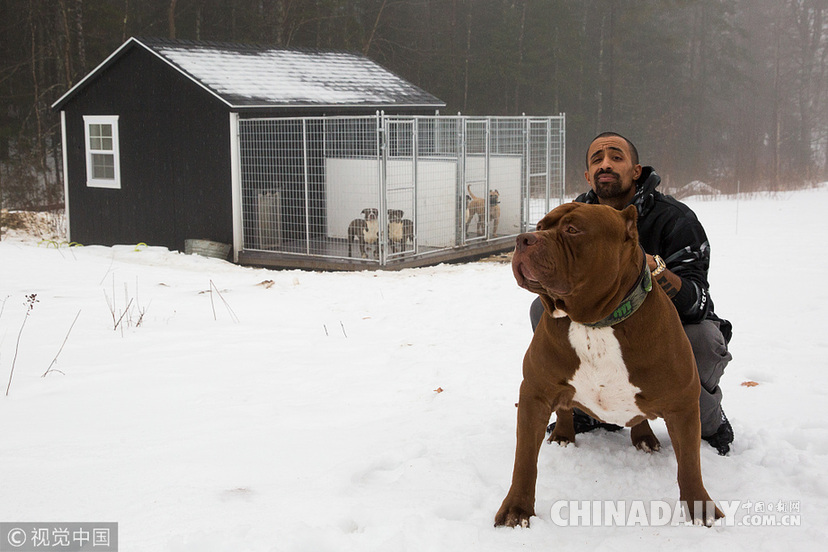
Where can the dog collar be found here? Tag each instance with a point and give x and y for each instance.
(633, 300)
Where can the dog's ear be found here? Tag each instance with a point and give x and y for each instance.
(630, 215)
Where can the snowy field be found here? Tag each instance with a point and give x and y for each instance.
(240, 409)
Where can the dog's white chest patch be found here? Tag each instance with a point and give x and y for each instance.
(372, 231)
(602, 382)
(395, 231)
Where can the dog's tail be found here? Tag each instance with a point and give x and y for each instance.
(468, 187)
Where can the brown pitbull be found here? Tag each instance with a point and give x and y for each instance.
(609, 343)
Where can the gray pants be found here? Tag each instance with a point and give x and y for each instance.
(712, 356)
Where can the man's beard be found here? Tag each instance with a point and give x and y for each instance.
(609, 190)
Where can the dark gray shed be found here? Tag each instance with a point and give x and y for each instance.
(151, 135)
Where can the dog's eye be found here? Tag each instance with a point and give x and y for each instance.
(571, 230)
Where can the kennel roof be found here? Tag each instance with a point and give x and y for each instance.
(247, 76)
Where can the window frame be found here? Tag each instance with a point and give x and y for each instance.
(92, 181)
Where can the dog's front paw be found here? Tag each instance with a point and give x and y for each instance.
(643, 438)
(562, 432)
(647, 443)
(562, 440)
(513, 516)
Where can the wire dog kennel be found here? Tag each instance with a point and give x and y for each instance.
(386, 191)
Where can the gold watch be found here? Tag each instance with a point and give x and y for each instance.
(661, 266)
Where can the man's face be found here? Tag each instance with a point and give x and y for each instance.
(611, 172)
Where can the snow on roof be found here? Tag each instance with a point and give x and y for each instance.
(256, 76)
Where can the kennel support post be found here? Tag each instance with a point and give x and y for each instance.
(382, 217)
(236, 186)
(415, 150)
(526, 184)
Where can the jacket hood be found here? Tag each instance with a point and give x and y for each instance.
(645, 193)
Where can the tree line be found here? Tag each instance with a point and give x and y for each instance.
(733, 93)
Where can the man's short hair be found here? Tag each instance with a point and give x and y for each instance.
(633, 150)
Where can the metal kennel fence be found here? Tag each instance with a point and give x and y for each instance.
(356, 192)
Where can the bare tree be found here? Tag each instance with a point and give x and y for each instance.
(368, 42)
(171, 17)
(79, 36)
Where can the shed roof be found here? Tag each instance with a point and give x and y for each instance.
(246, 76)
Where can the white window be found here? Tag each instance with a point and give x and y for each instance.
(103, 164)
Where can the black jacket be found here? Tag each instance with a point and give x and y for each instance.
(668, 228)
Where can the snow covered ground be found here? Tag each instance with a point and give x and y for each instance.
(253, 410)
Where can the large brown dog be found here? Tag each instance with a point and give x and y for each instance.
(610, 343)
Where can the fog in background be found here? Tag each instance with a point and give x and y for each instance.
(728, 92)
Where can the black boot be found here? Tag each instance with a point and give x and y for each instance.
(584, 423)
(722, 438)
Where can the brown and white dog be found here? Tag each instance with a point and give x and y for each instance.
(609, 343)
(364, 230)
(400, 230)
(395, 229)
(477, 206)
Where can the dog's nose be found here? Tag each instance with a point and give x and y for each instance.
(526, 240)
